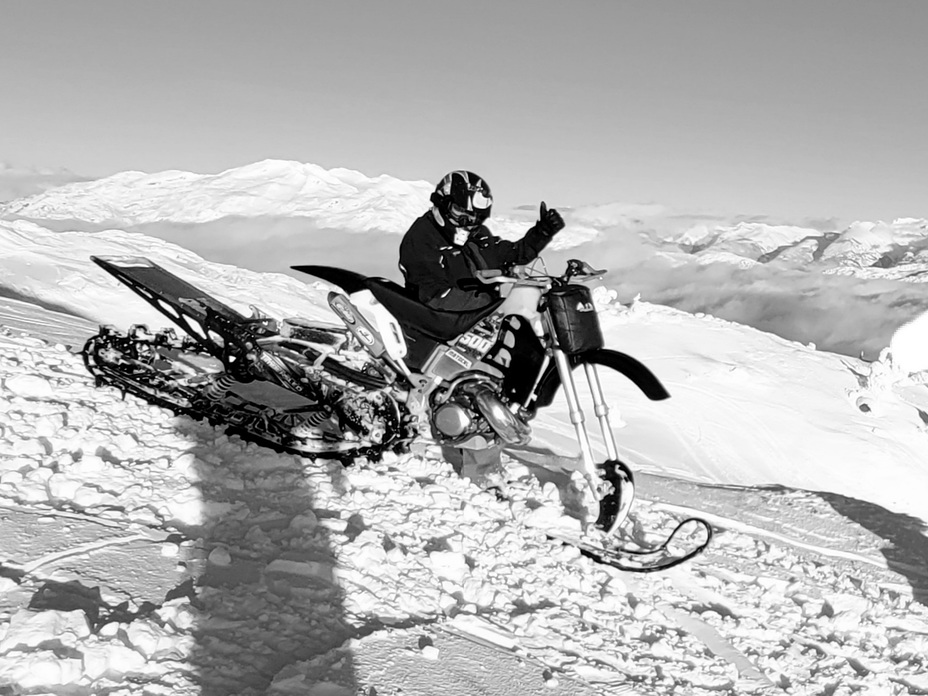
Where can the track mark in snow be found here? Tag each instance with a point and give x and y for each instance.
(46, 511)
(752, 678)
(749, 529)
(89, 547)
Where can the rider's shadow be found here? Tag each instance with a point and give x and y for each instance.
(263, 566)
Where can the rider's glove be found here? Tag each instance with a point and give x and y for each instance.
(549, 222)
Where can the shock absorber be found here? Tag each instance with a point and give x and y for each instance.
(218, 388)
(317, 417)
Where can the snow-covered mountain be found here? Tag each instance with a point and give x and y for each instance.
(863, 249)
(349, 200)
(324, 199)
(245, 571)
(337, 198)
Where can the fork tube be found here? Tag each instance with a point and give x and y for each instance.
(576, 413)
(601, 409)
(533, 394)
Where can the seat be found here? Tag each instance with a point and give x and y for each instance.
(423, 325)
(438, 324)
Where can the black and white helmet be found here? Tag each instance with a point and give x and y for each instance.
(463, 199)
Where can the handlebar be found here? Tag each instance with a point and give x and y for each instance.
(496, 276)
(523, 275)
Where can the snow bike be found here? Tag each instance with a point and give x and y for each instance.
(393, 371)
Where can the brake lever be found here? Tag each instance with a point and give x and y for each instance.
(576, 267)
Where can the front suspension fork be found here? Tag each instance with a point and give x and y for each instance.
(594, 471)
(575, 410)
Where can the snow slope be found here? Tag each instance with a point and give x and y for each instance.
(245, 571)
(711, 366)
(153, 554)
(149, 554)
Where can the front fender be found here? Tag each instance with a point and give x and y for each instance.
(628, 366)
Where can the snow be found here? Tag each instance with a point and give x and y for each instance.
(333, 197)
(907, 347)
(145, 553)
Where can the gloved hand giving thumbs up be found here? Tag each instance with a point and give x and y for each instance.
(550, 221)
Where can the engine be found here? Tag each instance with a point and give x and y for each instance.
(470, 406)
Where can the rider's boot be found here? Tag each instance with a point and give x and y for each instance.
(484, 467)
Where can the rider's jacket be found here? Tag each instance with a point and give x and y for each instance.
(433, 265)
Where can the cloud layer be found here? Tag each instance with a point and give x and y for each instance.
(20, 182)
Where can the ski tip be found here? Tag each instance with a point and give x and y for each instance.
(123, 261)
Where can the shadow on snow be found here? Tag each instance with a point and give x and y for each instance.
(906, 548)
(263, 566)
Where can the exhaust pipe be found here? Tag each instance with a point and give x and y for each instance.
(510, 428)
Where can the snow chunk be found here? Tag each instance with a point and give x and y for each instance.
(909, 345)
(88, 465)
(842, 602)
(61, 487)
(149, 639)
(603, 297)
(179, 614)
(186, 506)
(482, 629)
(50, 425)
(304, 522)
(111, 660)
(185, 463)
(52, 628)
(449, 565)
(39, 670)
(308, 570)
(29, 387)
(550, 680)
(220, 556)
(27, 448)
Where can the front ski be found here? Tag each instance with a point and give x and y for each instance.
(637, 557)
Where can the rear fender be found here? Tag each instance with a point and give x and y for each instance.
(349, 281)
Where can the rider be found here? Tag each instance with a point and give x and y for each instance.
(447, 245)
(450, 242)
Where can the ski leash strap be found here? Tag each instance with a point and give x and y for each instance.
(644, 559)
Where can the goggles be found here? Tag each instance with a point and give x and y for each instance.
(462, 218)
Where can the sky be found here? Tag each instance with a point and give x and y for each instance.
(789, 110)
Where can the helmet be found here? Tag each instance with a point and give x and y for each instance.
(463, 199)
